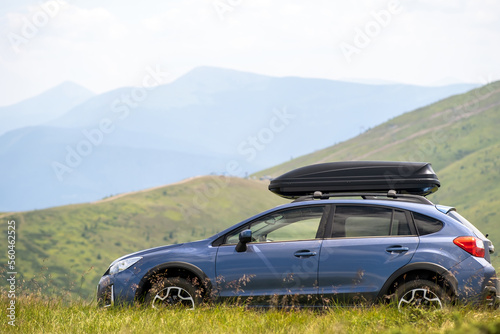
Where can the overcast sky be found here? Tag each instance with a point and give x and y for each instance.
(103, 45)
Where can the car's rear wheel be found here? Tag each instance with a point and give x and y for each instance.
(421, 294)
(173, 292)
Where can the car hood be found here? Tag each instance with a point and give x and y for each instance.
(147, 251)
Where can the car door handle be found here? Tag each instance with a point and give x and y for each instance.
(397, 249)
(304, 253)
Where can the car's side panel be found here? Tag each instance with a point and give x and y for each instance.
(474, 274)
(440, 250)
(353, 269)
(267, 270)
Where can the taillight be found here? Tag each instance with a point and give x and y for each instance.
(471, 245)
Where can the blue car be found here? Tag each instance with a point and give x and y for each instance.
(325, 248)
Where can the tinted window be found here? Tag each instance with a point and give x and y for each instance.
(400, 224)
(426, 225)
(285, 225)
(368, 221)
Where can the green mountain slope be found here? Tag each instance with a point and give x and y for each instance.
(460, 136)
(442, 133)
(71, 246)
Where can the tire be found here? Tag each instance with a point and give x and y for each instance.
(421, 294)
(173, 292)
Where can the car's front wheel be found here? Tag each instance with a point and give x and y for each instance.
(421, 294)
(173, 291)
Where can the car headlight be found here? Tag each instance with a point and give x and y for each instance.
(121, 265)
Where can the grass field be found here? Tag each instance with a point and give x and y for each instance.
(42, 315)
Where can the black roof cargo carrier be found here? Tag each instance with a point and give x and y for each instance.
(416, 178)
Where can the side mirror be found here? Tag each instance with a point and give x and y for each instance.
(245, 237)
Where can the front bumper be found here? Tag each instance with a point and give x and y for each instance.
(105, 292)
(117, 289)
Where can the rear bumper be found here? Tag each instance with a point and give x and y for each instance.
(490, 296)
(491, 293)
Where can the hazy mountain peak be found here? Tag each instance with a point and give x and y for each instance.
(218, 78)
(70, 88)
(202, 71)
(43, 107)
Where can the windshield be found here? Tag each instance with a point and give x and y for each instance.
(465, 222)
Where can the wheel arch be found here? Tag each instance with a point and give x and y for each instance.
(184, 270)
(420, 270)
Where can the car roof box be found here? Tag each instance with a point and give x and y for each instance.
(417, 178)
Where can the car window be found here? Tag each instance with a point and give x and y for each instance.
(368, 221)
(426, 225)
(284, 225)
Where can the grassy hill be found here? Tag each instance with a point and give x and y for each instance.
(71, 246)
(460, 136)
(442, 133)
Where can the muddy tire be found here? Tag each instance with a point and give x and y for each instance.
(173, 292)
(421, 294)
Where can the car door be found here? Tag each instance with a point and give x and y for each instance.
(367, 244)
(280, 265)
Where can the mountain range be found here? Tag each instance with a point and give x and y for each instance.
(210, 120)
(66, 249)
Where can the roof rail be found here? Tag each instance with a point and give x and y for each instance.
(391, 195)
